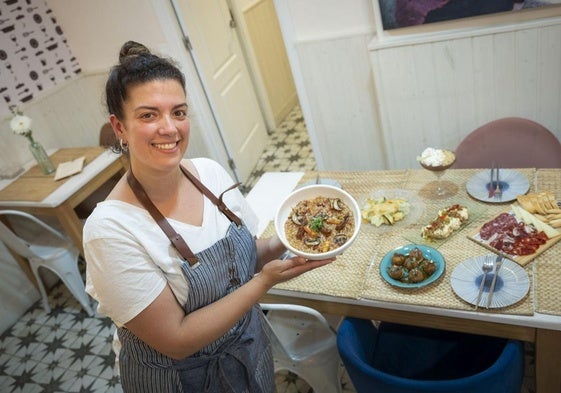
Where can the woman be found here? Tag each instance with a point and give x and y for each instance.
(185, 308)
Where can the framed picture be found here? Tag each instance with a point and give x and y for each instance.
(397, 14)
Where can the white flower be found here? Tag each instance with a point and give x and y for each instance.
(21, 124)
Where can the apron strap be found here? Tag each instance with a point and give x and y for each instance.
(217, 201)
(175, 238)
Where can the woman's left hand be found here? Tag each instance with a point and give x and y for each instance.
(278, 270)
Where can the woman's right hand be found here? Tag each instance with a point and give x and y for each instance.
(278, 270)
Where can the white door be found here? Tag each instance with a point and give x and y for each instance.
(218, 56)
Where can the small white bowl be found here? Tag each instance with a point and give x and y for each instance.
(310, 192)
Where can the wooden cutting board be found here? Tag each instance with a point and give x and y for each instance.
(522, 260)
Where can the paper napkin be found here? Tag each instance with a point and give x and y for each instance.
(69, 168)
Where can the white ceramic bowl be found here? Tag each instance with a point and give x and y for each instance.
(311, 192)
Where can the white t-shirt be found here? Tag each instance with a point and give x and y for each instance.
(129, 258)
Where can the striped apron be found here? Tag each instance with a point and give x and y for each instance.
(239, 361)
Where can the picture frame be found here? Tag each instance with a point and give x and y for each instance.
(397, 16)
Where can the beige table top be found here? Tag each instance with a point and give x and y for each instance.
(34, 186)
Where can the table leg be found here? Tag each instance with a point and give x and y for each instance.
(548, 365)
(71, 224)
(22, 262)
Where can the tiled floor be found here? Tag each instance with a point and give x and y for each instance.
(289, 149)
(67, 351)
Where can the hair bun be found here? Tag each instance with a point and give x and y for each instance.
(132, 49)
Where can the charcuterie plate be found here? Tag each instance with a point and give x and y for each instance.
(522, 260)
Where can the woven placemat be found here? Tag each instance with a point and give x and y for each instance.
(549, 180)
(34, 186)
(548, 265)
(355, 274)
(455, 250)
(345, 276)
(361, 184)
(342, 278)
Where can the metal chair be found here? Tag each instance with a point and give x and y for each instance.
(304, 343)
(43, 246)
(511, 142)
(397, 358)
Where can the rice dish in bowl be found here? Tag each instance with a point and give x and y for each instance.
(318, 221)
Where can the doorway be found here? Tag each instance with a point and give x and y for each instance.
(214, 46)
(260, 34)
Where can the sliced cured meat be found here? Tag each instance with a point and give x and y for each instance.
(506, 234)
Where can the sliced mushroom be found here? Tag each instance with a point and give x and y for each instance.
(312, 241)
(336, 204)
(340, 239)
(298, 219)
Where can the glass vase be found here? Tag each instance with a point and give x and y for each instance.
(41, 157)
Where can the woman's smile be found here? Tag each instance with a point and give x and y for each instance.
(166, 146)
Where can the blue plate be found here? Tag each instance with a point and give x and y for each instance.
(428, 253)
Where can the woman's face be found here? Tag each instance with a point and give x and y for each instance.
(155, 125)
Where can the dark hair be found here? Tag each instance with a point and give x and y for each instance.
(136, 66)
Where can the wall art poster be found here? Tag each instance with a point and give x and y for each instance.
(34, 55)
(404, 13)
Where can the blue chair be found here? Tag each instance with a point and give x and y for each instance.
(404, 359)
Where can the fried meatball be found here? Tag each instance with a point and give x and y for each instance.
(410, 263)
(428, 267)
(416, 275)
(398, 259)
(416, 254)
(396, 272)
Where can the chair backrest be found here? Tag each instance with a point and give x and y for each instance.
(107, 136)
(465, 363)
(290, 320)
(511, 142)
(17, 243)
(14, 242)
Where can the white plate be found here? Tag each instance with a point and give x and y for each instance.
(512, 283)
(513, 183)
(416, 209)
(311, 192)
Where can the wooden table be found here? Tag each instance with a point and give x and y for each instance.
(39, 194)
(542, 329)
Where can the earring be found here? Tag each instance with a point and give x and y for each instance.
(124, 146)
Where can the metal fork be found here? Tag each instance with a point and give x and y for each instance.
(498, 264)
(486, 267)
(498, 192)
(491, 188)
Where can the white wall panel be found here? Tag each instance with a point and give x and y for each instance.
(342, 107)
(435, 93)
(548, 72)
(69, 115)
